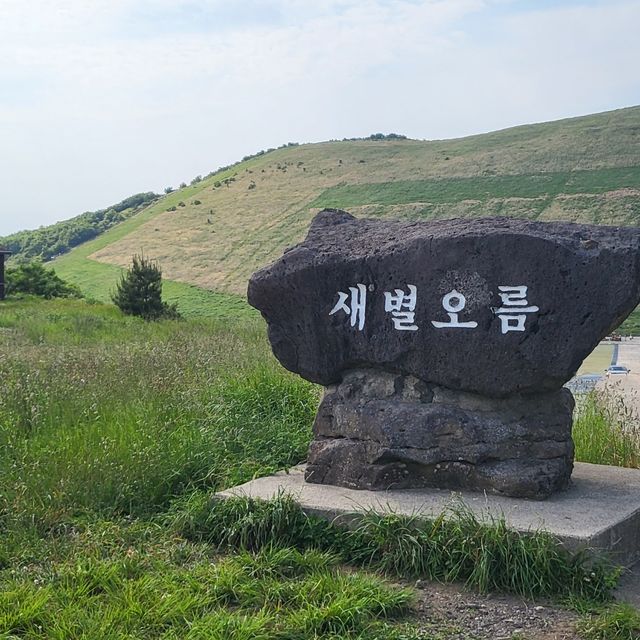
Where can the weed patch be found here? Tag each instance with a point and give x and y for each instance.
(276, 593)
(615, 622)
(121, 416)
(485, 555)
(606, 430)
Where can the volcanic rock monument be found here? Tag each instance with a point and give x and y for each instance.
(443, 346)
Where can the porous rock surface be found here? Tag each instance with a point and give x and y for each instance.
(417, 396)
(584, 279)
(378, 430)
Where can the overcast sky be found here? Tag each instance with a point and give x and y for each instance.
(100, 99)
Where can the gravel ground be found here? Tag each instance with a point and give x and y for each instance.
(458, 614)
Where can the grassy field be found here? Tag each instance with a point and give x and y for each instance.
(97, 280)
(606, 430)
(631, 326)
(545, 186)
(582, 169)
(115, 432)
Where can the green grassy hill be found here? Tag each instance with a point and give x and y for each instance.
(210, 236)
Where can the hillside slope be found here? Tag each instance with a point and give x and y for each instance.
(583, 169)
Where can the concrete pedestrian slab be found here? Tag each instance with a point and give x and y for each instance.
(600, 510)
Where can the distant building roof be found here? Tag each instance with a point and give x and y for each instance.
(5, 251)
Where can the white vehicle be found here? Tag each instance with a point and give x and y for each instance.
(616, 370)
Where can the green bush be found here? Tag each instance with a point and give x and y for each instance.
(33, 279)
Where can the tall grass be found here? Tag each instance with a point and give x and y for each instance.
(272, 595)
(456, 546)
(606, 430)
(119, 416)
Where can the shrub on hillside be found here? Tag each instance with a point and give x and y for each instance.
(139, 292)
(33, 279)
(388, 136)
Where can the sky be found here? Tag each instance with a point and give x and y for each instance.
(100, 99)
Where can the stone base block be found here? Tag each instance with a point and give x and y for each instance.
(378, 431)
(599, 511)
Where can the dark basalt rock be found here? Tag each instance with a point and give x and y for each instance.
(444, 345)
(584, 280)
(378, 430)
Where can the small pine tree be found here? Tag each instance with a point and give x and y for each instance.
(139, 292)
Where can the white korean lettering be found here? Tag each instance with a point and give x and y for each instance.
(356, 307)
(454, 302)
(514, 309)
(402, 307)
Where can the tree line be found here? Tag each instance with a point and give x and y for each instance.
(47, 242)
